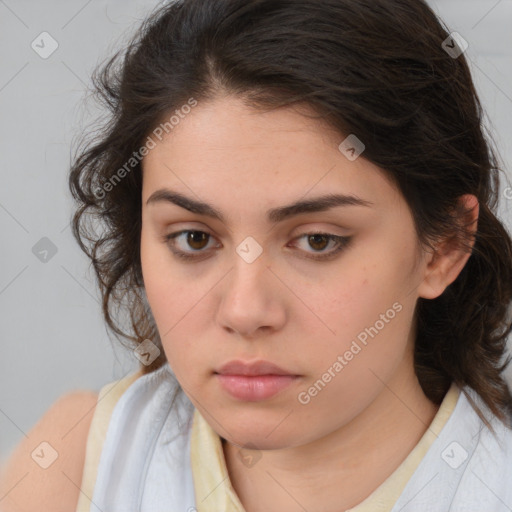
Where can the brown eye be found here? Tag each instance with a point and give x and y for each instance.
(318, 242)
(196, 239)
(194, 242)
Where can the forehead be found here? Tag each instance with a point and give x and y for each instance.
(226, 149)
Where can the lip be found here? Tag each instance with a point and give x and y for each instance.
(254, 388)
(252, 369)
(253, 382)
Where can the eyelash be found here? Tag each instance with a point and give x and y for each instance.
(342, 242)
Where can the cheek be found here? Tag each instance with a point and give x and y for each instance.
(355, 297)
(153, 273)
(363, 311)
(163, 297)
(166, 287)
(172, 308)
(177, 305)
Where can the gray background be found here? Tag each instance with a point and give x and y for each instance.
(52, 332)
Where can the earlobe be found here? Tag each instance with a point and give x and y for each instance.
(445, 264)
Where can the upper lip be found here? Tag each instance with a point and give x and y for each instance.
(254, 368)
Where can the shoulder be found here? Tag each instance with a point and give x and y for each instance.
(44, 471)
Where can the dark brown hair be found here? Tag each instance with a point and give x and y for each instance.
(374, 68)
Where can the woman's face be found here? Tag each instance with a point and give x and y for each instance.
(337, 315)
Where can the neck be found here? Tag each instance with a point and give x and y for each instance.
(344, 467)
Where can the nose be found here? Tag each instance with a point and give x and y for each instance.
(252, 298)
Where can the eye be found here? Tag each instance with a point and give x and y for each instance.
(319, 241)
(194, 239)
(198, 240)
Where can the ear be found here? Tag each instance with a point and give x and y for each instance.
(449, 258)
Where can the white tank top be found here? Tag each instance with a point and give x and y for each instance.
(145, 463)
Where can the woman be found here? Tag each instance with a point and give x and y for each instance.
(298, 212)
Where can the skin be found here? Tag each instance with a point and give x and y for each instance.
(25, 485)
(288, 308)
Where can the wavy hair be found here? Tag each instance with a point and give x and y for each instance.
(378, 69)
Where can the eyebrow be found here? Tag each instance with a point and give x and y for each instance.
(275, 215)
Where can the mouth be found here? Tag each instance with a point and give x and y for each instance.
(252, 382)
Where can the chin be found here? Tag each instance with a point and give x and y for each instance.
(271, 434)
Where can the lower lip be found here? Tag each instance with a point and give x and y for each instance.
(255, 388)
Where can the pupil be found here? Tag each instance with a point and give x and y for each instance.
(315, 240)
(195, 237)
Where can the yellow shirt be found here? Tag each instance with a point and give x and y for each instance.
(212, 486)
